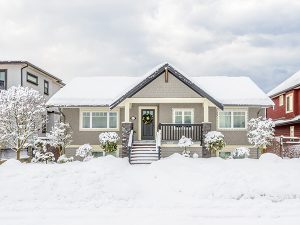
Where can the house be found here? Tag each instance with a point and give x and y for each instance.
(163, 100)
(23, 73)
(286, 111)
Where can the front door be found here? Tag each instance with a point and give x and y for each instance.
(147, 123)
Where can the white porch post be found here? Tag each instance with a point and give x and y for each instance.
(127, 108)
(206, 113)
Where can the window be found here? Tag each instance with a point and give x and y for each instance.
(281, 100)
(99, 120)
(183, 116)
(292, 131)
(32, 79)
(289, 103)
(46, 87)
(3, 79)
(235, 119)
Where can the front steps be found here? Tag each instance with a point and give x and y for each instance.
(143, 153)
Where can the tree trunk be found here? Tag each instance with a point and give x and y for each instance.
(18, 154)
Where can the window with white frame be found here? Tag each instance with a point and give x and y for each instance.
(183, 116)
(281, 100)
(99, 120)
(289, 103)
(232, 119)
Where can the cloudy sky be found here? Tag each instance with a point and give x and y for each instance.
(256, 38)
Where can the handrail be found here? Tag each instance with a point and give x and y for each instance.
(158, 142)
(129, 145)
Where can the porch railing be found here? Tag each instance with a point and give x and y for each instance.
(173, 132)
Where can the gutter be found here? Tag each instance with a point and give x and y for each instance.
(22, 73)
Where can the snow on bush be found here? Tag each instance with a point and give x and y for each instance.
(240, 153)
(60, 136)
(22, 113)
(64, 159)
(108, 141)
(260, 132)
(214, 141)
(85, 152)
(269, 157)
(185, 142)
(40, 153)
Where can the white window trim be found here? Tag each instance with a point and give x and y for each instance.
(291, 95)
(281, 100)
(90, 110)
(182, 110)
(245, 110)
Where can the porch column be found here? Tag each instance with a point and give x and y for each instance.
(127, 112)
(126, 128)
(206, 113)
(206, 127)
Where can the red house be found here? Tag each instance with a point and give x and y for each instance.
(286, 111)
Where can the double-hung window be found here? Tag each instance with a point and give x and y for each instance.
(232, 119)
(183, 116)
(3, 79)
(99, 120)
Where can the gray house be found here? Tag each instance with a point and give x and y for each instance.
(151, 113)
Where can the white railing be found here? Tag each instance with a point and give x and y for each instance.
(158, 142)
(130, 139)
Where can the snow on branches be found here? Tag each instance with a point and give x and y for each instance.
(185, 142)
(260, 132)
(108, 141)
(40, 154)
(240, 153)
(60, 136)
(214, 141)
(21, 116)
(85, 152)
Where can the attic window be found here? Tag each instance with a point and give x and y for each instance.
(32, 79)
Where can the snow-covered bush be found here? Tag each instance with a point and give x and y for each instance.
(22, 111)
(261, 132)
(60, 136)
(195, 156)
(240, 153)
(185, 142)
(40, 153)
(64, 159)
(214, 141)
(108, 141)
(85, 152)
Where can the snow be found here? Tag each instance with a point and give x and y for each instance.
(233, 90)
(269, 157)
(289, 83)
(280, 122)
(105, 90)
(174, 190)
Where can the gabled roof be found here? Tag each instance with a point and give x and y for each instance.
(35, 67)
(110, 91)
(156, 74)
(287, 85)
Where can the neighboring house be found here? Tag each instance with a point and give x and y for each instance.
(23, 73)
(286, 111)
(176, 105)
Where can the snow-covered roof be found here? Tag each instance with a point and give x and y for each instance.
(233, 90)
(107, 90)
(296, 119)
(286, 85)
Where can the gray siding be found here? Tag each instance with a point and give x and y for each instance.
(160, 89)
(83, 137)
(235, 137)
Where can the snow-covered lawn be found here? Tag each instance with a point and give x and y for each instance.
(175, 190)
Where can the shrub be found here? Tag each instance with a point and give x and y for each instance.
(85, 152)
(64, 159)
(185, 142)
(240, 153)
(40, 154)
(214, 141)
(108, 141)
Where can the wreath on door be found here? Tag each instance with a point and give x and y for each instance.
(147, 118)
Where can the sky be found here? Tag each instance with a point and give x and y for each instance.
(255, 38)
